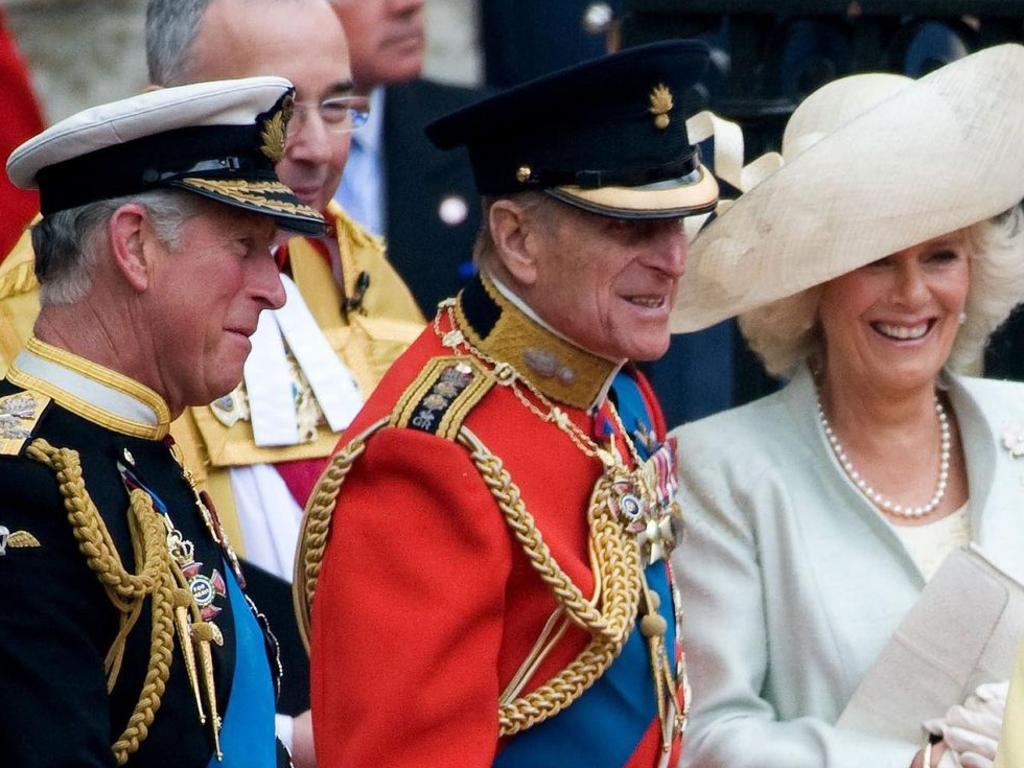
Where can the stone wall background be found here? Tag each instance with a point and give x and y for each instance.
(86, 52)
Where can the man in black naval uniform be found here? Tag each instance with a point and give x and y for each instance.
(125, 637)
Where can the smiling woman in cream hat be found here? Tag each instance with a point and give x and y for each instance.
(869, 268)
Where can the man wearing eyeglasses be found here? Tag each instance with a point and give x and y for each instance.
(348, 313)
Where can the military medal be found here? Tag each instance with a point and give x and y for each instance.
(205, 589)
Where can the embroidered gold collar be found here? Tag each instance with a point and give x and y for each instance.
(505, 332)
(95, 393)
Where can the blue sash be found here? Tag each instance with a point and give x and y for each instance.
(632, 410)
(604, 727)
(247, 737)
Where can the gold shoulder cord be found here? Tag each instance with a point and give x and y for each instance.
(158, 577)
(614, 560)
(316, 524)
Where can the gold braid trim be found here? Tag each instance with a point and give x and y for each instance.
(611, 549)
(125, 590)
(316, 524)
(615, 560)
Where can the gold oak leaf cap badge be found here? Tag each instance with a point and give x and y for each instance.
(661, 105)
(275, 130)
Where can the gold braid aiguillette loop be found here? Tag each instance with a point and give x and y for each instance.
(316, 524)
(615, 557)
(614, 474)
(123, 589)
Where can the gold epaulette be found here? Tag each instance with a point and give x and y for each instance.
(19, 415)
(442, 396)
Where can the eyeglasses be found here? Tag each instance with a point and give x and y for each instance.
(339, 115)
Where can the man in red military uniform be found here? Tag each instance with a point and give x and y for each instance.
(488, 548)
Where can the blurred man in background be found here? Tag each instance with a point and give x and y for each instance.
(396, 183)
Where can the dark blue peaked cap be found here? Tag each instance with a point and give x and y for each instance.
(608, 135)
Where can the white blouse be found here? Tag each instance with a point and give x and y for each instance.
(929, 544)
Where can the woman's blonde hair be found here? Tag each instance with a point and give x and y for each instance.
(784, 333)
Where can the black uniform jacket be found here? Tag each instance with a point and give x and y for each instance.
(57, 622)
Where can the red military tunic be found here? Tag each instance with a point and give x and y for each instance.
(427, 606)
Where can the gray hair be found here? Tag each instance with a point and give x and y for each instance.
(171, 29)
(67, 243)
(784, 333)
(532, 202)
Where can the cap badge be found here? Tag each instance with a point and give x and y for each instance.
(275, 131)
(661, 105)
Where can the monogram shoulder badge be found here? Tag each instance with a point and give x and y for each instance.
(19, 414)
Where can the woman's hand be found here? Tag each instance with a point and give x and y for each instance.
(971, 730)
(942, 757)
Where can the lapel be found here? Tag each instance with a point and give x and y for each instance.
(986, 411)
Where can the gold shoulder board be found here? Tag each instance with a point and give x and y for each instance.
(441, 397)
(19, 414)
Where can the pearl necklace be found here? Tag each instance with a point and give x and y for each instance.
(874, 496)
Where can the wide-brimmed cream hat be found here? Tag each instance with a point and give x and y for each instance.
(872, 164)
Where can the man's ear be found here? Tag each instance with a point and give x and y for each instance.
(131, 244)
(515, 233)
